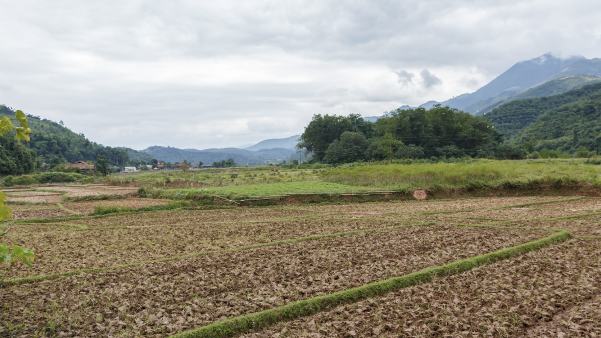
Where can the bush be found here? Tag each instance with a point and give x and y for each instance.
(410, 151)
(47, 177)
(450, 151)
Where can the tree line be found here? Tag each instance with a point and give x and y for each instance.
(440, 132)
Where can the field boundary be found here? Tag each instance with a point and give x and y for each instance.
(253, 321)
(72, 212)
(503, 190)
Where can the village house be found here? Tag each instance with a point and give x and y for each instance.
(130, 170)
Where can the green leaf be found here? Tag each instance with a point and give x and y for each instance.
(5, 213)
(24, 131)
(23, 254)
(5, 125)
(23, 134)
(5, 255)
(22, 119)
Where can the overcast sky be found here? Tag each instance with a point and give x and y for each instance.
(202, 74)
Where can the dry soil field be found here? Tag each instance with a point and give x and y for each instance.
(344, 270)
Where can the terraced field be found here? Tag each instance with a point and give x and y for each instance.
(524, 266)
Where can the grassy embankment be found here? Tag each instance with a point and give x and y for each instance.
(474, 175)
(481, 174)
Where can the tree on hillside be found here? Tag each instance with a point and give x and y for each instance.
(13, 253)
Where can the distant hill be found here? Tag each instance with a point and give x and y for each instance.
(139, 155)
(53, 142)
(240, 156)
(584, 66)
(375, 118)
(288, 143)
(551, 117)
(552, 87)
(570, 126)
(518, 78)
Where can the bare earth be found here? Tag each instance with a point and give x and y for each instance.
(224, 263)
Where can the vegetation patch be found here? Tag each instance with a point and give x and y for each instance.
(478, 175)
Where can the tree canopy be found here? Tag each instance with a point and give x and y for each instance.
(440, 131)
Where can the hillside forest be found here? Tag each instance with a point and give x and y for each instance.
(569, 122)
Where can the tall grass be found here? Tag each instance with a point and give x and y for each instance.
(477, 174)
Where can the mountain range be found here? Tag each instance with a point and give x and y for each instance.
(550, 74)
(266, 151)
(519, 78)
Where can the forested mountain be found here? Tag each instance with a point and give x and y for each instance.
(516, 79)
(549, 88)
(511, 118)
(570, 126)
(53, 143)
(240, 156)
(141, 156)
(519, 78)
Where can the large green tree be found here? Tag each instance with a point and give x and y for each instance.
(350, 148)
(102, 165)
(323, 130)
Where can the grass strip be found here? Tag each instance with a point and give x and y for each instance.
(480, 218)
(72, 212)
(254, 321)
(588, 237)
(47, 220)
(92, 198)
(523, 205)
(503, 227)
(78, 226)
(39, 278)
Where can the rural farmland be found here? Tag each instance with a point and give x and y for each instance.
(110, 264)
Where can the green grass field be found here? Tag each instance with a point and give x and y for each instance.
(475, 173)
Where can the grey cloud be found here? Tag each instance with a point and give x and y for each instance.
(429, 80)
(404, 77)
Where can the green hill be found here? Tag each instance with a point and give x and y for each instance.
(512, 118)
(549, 88)
(53, 143)
(568, 127)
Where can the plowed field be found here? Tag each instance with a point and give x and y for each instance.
(163, 272)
